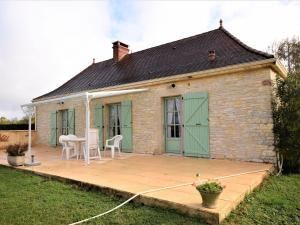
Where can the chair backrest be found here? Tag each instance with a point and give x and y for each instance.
(93, 137)
(117, 140)
(70, 137)
(63, 140)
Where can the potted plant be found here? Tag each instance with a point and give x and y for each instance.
(16, 154)
(210, 192)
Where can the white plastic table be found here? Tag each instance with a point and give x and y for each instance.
(77, 143)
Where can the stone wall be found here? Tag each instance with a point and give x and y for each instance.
(9, 137)
(240, 118)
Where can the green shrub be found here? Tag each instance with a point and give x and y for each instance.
(286, 117)
(210, 187)
(16, 150)
(12, 126)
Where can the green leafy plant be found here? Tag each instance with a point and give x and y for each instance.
(286, 117)
(210, 187)
(16, 150)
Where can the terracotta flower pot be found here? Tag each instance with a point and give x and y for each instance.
(209, 200)
(16, 160)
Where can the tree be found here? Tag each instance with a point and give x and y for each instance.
(286, 117)
(286, 105)
(23, 120)
(288, 51)
(4, 120)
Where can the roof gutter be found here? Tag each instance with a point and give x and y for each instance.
(279, 68)
(274, 63)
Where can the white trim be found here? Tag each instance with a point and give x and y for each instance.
(87, 130)
(91, 95)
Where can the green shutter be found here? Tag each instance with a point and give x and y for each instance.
(196, 133)
(71, 121)
(126, 126)
(98, 122)
(53, 133)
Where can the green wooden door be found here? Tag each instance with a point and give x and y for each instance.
(71, 121)
(196, 133)
(126, 126)
(173, 125)
(53, 132)
(98, 122)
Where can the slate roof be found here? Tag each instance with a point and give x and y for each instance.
(178, 57)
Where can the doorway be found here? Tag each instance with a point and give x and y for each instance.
(61, 124)
(173, 125)
(114, 120)
(64, 122)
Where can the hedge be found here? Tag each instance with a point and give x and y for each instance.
(16, 126)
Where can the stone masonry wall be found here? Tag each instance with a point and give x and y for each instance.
(240, 118)
(43, 118)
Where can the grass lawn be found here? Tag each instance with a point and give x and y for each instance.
(29, 199)
(276, 202)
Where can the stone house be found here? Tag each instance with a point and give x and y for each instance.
(208, 95)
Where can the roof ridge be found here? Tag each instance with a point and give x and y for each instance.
(265, 54)
(190, 37)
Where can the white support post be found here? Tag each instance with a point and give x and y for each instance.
(29, 136)
(87, 128)
(29, 110)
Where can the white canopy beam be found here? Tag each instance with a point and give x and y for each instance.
(86, 97)
(87, 130)
(92, 95)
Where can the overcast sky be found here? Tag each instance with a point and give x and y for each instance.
(44, 44)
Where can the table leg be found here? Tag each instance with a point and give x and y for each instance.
(77, 150)
(84, 151)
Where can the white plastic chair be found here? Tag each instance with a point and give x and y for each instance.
(74, 145)
(63, 140)
(116, 144)
(93, 144)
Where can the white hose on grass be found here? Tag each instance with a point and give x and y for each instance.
(164, 188)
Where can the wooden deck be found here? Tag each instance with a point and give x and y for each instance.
(132, 173)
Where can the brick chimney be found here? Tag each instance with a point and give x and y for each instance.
(119, 50)
(211, 55)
